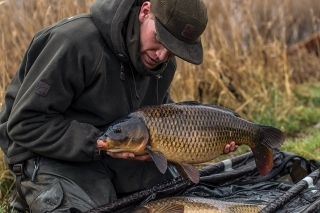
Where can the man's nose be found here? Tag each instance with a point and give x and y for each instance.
(163, 54)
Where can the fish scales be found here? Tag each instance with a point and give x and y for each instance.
(189, 133)
(197, 204)
(193, 134)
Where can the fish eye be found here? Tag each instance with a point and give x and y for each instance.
(116, 129)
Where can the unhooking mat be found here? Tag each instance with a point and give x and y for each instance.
(293, 186)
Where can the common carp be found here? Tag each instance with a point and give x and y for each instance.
(189, 133)
(195, 205)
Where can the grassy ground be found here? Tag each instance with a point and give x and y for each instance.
(246, 67)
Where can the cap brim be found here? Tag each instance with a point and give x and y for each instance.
(192, 53)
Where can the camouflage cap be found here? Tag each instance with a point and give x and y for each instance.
(179, 25)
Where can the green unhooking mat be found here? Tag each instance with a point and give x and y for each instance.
(292, 186)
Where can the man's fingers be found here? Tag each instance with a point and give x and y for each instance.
(146, 157)
(226, 149)
(123, 155)
(130, 156)
(101, 145)
(231, 147)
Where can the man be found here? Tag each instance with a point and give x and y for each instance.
(76, 78)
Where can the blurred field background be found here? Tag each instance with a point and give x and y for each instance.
(246, 65)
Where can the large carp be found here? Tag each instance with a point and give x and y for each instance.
(195, 205)
(190, 133)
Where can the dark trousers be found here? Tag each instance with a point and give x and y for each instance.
(60, 186)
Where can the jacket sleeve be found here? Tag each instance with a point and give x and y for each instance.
(52, 77)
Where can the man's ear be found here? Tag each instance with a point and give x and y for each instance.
(145, 11)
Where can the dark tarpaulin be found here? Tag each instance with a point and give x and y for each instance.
(293, 185)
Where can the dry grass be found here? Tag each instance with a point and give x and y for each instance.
(245, 52)
(245, 66)
(245, 47)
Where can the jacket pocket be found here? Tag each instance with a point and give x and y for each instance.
(48, 200)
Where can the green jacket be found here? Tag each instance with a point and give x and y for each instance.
(74, 80)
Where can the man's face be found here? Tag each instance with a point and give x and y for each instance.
(152, 52)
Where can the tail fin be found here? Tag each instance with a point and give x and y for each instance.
(270, 138)
(264, 158)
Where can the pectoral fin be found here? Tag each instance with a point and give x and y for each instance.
(181, 171)
(159, 159)
(186, 170)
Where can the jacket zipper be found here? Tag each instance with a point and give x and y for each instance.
(127, 86)
(36, 161)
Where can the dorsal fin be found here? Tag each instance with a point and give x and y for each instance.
(195, 103)
(188, 103)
